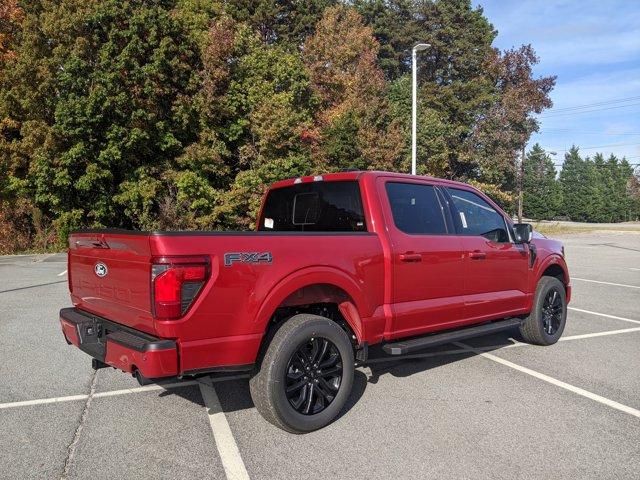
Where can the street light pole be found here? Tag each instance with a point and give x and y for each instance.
(520, 182)
(414, 101)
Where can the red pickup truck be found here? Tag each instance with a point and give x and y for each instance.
(338, 263)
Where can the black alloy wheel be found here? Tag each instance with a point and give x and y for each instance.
(313, 376)
(552, 312)
(548, 317)
(311, 346)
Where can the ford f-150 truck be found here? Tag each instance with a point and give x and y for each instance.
(338, 263)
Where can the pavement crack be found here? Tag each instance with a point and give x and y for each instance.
(32, 286)
(71, 449)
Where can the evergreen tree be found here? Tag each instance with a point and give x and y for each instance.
(595, 190)
(573, 178)
(624, 181)
(542, 196)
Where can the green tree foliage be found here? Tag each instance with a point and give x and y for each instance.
(595, 190)
(98, 101)
(354, 126)
(542, 196)
(288, 22)
(178, 113)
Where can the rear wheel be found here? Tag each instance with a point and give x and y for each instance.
(306, 374)
(545, 324)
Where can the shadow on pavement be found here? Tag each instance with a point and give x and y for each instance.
(234, 393)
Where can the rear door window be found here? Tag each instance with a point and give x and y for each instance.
(474, 216)
(416, 208)
(314, 207)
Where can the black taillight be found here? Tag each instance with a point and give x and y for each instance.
(176, 283)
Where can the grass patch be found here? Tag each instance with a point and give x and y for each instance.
(560, 228)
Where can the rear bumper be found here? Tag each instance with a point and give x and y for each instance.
(121, 347)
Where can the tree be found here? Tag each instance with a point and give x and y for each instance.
(353, 126)
(633, 192)
(624, 176)
(508, 123)
(542, 198)
(573, 179)
(11, 15)
(287, 22)
(476, 103)
(178, 113)
(595, 190)
(99, 95)
(259, 102)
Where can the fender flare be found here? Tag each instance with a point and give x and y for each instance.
(308, 276)
(553, 259)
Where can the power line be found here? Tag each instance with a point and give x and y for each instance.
(555, 114)
(600, 146)
(552, 131)
(605, 165)
(604, 102)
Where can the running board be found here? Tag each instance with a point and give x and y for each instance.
(404, 347)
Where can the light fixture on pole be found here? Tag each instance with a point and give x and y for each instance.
(414, 107)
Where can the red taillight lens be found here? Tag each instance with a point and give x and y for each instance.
(176, 282)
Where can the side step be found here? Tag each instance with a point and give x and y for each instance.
(404, 347)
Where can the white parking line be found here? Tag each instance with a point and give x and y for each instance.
(554, 381)
(634, 269)
(606, 315)
(62, 273)
(491, 348)
(459, 351)
(43, 401)
(227, 447)
(599, 334)
(110, 393)
(605, 283)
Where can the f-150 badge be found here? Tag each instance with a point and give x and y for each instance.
(247, 257)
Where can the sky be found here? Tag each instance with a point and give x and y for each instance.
(594, 49)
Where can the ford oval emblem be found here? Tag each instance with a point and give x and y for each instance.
(101, 269)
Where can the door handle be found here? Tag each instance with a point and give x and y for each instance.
(410, 257)
(477, 255)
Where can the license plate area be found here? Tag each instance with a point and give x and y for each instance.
(92, 337)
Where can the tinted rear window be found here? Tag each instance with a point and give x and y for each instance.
(416, 208)
(314, 207)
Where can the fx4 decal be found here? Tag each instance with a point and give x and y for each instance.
(247, 257)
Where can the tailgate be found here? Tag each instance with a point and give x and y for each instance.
(110, 275)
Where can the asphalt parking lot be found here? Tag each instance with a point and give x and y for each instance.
(488, 408)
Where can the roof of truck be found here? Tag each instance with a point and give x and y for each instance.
(355, 175)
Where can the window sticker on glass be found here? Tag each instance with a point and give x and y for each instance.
(268, 223)
(463, 219)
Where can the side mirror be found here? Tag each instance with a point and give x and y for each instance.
(524, 232)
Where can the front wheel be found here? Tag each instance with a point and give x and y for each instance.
(306, 374)
(547, 319)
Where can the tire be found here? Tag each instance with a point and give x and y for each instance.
(283, 366)
(546, 322)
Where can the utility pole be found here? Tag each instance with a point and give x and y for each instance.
(414, 101)
(520, 178)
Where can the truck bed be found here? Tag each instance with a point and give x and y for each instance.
(226, 323)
